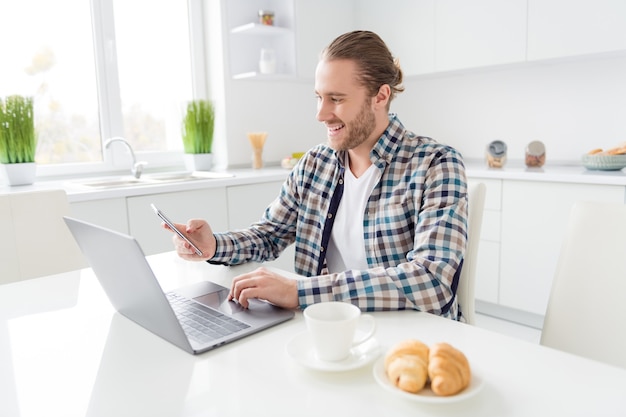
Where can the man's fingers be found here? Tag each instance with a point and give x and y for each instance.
(245, 291)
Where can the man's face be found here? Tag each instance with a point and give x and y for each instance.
(343, 105)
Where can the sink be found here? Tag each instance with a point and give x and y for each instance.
(181, 176)
(149, 179)
(112, 182)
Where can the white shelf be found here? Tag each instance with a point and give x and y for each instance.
(259, 29)
(247, 37)
(258, 76)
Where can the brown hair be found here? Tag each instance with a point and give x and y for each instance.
(376, 64)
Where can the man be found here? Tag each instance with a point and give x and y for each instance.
(378, 215)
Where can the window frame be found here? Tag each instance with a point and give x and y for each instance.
(116, 158)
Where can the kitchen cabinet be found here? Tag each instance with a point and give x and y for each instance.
(444, 35)
(431, 36)
(411, 37)
(534, 219)
(317, 24)
(224, 207)
(109, 213)
(246, 205)
(524, 222)
(479, 33)
(209, 204)
(428, 36)
(245, 37)
(560, 28)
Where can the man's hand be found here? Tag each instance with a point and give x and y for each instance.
(200, 233)
(266, 285)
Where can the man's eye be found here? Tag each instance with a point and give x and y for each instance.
(335, 99)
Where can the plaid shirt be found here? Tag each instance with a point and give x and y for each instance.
(415, 227)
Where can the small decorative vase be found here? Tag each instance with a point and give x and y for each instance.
(198, 161)
(20, 174)
(257, 140)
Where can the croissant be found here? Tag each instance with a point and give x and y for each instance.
(407, 365)
(448, 369)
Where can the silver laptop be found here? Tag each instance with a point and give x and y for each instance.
(195, 318)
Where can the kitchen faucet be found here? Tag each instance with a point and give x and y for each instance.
(137, 167)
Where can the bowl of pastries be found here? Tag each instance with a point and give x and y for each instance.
(613, 159)
(438, 373)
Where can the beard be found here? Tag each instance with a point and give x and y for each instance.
(358, 130)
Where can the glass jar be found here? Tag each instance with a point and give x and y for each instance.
(266, 17)
(496, 154)
(535, 154)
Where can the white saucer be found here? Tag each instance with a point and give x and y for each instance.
(300, 348)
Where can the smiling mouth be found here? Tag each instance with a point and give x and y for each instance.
(334, 129)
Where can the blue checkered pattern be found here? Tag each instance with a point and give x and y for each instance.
(415, 227)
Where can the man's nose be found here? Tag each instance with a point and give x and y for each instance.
(323, 112)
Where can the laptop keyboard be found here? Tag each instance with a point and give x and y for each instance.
(202, 323)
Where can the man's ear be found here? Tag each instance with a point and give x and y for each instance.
(383, 96)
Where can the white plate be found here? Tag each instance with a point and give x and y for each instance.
(426, 395)
(300, 348)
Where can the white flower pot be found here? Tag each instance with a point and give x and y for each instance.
(20, 174)
(198, 161)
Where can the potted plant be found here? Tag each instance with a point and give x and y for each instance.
(197, 130)
(18, 141)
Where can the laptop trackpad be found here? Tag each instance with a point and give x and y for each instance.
(218, 301)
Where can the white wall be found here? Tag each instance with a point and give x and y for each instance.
(286, 110)
(571, 107)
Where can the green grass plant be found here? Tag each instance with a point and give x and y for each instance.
(197, 127)
(17, 130)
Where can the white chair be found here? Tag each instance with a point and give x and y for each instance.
(586, 306)
(467, 280)
(35, 240)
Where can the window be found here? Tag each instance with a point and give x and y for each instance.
(48, 54)
(154, 68)
(109, 68)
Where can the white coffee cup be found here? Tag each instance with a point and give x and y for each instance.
(332, 326)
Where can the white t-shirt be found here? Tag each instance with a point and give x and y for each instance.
(346, 248)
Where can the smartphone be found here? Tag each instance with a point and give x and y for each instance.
(171, 225)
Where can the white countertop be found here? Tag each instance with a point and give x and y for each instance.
(548, 173)
(77, 192)
(475, 169)
(240, 177)
(65, 352)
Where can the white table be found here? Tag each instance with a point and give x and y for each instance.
(65, 352)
